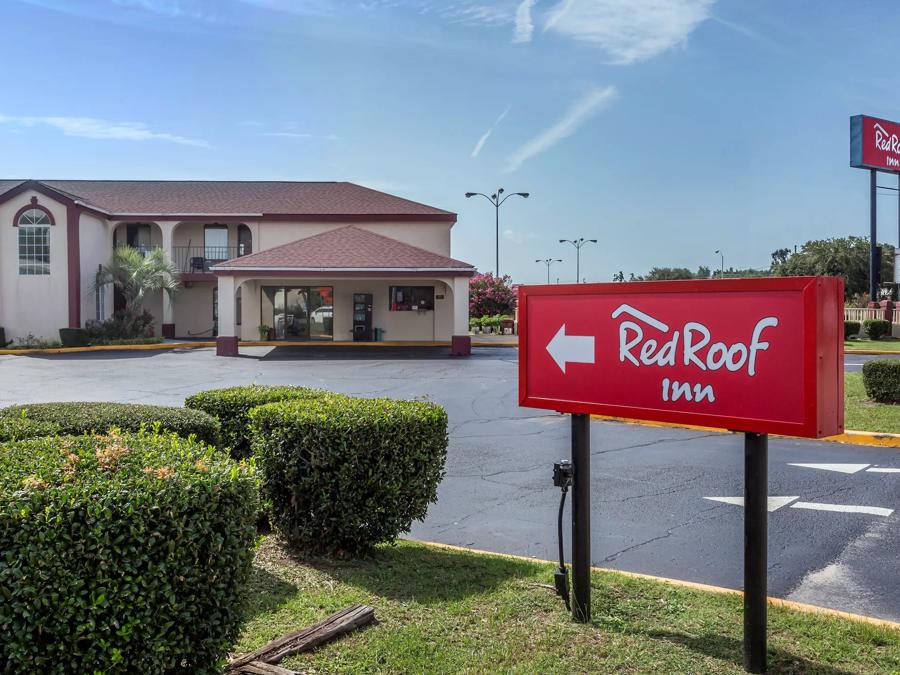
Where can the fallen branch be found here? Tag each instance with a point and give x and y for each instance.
(261, 668)
(337, 624)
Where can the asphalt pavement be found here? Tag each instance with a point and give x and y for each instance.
(662, 499)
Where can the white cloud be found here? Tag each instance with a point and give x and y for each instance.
(91, 127)
(481, 141)
(524, 25)
(518, 237)
(581, 111)
(628, 31)
(298, 134)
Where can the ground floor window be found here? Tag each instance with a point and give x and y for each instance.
(412, 298)
(298, 312)
(34, 250)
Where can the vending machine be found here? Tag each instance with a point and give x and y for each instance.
(362, 317)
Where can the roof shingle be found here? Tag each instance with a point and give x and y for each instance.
(345, 248)
(239, 198)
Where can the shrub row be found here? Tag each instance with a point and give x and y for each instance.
(881, 379)
(20, 428)
(344, 474)
(876, 329)
(90, 417)
(851, 329)
(231, 407)
(121, 554)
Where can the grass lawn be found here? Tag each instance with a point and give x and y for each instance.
(886, 345)
(861, 414)
(450, 611)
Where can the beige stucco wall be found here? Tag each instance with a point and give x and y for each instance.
(33, 304)
(433, 237)
(96, 248)
(403, 326)
(194, 309)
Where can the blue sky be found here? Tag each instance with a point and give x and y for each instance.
(665, 129)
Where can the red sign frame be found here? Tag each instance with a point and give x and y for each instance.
(801, 392)
(874, 144)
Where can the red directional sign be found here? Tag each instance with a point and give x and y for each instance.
(763, 355)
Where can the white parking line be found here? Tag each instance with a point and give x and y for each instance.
(843, 508)
(842, 468)
(772, 505)
(882, 470)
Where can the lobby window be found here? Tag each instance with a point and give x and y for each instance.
(412, 298)
(34, 243)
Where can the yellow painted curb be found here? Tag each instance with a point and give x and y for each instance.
(777, 602)
(343, 343)
(103, 348)
(495, 344)
(851, 437)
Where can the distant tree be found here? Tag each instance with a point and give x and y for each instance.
(702, 272)
(489, 295)
(846, 257)
(667, 274)
(780, 256)
(619, 276)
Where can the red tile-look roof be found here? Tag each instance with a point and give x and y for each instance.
(345, 249)
(308, 200)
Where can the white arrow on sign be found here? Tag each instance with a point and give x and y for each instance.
(571, 348)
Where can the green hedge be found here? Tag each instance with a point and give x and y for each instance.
(876, 328)
(344, 474)
(19, 428)
(122, 554)
(89, 417)
(881, 378)
(851, 329)
(231, 406)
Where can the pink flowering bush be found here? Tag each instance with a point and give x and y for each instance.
(489, 295)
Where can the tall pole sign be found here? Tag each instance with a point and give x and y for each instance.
(758, 356)
(875, 145)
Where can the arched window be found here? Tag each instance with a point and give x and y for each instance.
(34, 241)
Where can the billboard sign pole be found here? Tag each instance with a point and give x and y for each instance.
(757, 356)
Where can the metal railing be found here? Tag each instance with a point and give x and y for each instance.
(862, 313)
(198, 259)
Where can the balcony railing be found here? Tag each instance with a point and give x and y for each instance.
(198, 259)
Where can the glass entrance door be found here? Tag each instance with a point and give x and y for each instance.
(298, 312)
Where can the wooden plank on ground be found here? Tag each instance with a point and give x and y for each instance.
(337, 624)
(261, 668)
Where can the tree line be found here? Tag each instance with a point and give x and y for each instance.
(846, 257)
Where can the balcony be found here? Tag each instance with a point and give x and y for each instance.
(198, 259)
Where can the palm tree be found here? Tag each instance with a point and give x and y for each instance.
(137, 274)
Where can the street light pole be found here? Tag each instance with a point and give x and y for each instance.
(722, 256)
(578, 243)
(496, 200)
(548, 262)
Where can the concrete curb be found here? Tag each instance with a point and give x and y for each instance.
(776, 602)
(874, 352)
(850, 437)
(104, 348)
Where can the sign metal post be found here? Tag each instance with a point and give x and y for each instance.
(756, 497)
(581, 518)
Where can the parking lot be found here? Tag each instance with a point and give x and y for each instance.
(663, 499)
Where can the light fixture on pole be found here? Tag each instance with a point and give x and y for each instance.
(497, 200)
(722, 256)
(578, 243)
(548, 262)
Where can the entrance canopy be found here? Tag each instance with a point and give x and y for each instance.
(340, 285)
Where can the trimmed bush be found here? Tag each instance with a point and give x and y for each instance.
(122, 554)
(881, 379)
(876, 328)
(851, 329)
(73, 337)
(89, 417)
(19, 428)
(344, 474)
(232, 406)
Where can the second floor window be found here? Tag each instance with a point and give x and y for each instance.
(215, 242)
(34, 243)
